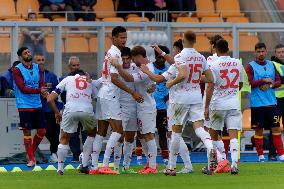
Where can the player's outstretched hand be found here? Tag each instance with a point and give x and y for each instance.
(169, 83)
(151, 89)
(206, 114)
(114, 62)
(157, 48)
(144, 68)
(138, 97)
(58, 118)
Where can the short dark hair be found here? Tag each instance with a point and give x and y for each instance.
(118, 29)
(278, 46)
(190, 36)
(164, 49)
(213, 40)
(259, 46)
(138, 50)
(178, 44)
(126, 51)
(80, 72)
(20, 50)
(222, 46)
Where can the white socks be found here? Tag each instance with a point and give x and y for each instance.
(144, 148)
(97, 146)
(152, 153)
(205, 137)
(127, 153)
(87, 150)
(112, 142)
(62, 154)
(220, 147)
(184, 154)
(234, 148)
(117, 155)
(174, 149)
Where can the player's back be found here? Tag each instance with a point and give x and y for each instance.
(195, 63)
(78, 94)
(228, 74)
(109, 90)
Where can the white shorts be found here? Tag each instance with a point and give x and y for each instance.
(170, 114)
(129, 117)
(232, 119)
(146, 122)
(108, 109)
(187, 112)
(70, 121)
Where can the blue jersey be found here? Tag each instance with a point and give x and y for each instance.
(50, 82)
(161, 90)
(9, 77)
(258, 97)
(31, 80)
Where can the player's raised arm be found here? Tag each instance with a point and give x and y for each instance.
(124, 74)
(152, 76)
(182, 73)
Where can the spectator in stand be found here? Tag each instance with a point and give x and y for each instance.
(49, 6)
(136, 5)
(264, 79)
(33, 37)
(52, 129)
(86, 7)
(9, 74)
(180, 5)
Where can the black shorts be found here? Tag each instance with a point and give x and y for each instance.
(265, 117)
(161, 119)
(32, 120)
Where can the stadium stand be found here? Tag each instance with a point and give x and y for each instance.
(228, 8)
(205, 8)
(7, 10)
(104, 8)
(24, 6)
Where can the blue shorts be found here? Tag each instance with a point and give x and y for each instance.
(265, 117)
(32, 120)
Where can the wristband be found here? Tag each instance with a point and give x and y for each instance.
(163, 53)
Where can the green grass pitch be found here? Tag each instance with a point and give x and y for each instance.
(251, 176)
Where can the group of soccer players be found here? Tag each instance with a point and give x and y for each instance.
(125, 102)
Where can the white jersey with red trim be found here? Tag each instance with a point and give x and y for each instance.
(211, 59)
(228, 73)
(188, 91)
(78, 94)
(125, 97)
(171, 74)
(142, 83)
(109, 90)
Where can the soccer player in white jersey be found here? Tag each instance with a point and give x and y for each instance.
(129, 117)
(222, 96)
(170, 74)
(78, 108)
(187, 103)
(108, 111)
(146, 111)
(219, 144)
